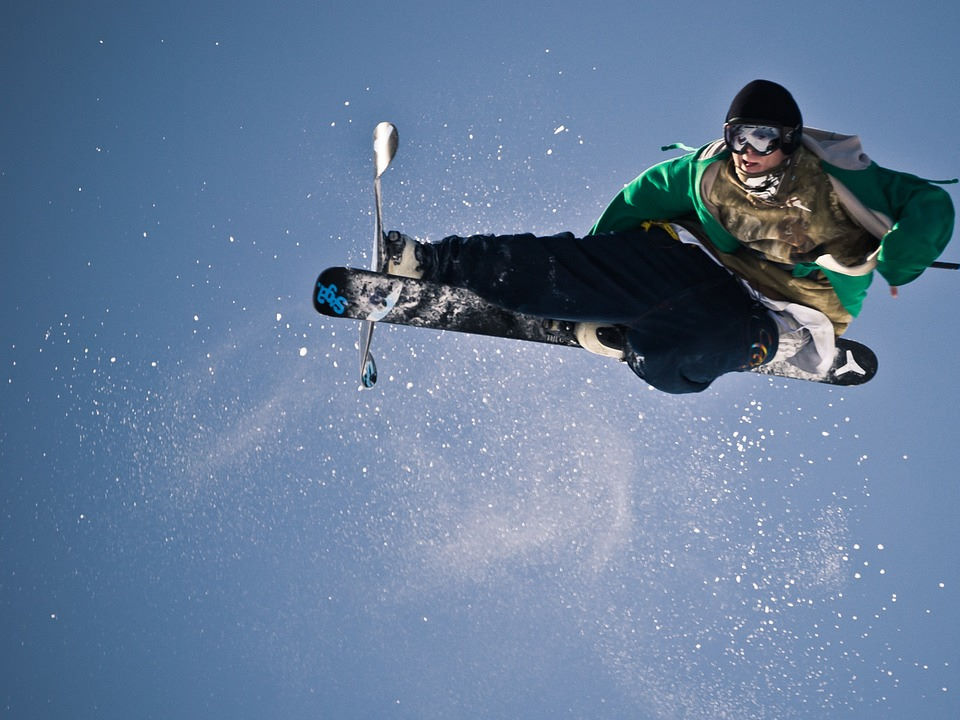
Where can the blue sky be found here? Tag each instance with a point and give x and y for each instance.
(200, 516)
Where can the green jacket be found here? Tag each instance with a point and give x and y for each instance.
(911, 218)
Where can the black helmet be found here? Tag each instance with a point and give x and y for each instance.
(762, 102)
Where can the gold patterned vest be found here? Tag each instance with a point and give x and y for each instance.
(800, 221)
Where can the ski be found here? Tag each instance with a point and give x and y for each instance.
(376, 297)
(385, 140)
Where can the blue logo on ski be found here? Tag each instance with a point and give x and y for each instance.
(328, 294)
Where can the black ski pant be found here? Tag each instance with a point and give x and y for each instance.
(688, 320)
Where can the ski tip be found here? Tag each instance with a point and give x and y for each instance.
(384, 128)
(368, 373)
(856, 364)
(385, 140)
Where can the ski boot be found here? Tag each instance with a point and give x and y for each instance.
(407, 257)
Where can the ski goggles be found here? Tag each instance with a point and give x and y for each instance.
(762, 139)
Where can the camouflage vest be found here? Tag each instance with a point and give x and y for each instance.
(803, 220)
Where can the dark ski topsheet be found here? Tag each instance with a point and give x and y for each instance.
(366, 295)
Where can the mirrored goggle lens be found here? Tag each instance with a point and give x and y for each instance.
(764, 139)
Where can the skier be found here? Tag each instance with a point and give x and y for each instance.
(756, 246)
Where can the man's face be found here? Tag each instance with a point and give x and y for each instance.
(751, 162)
